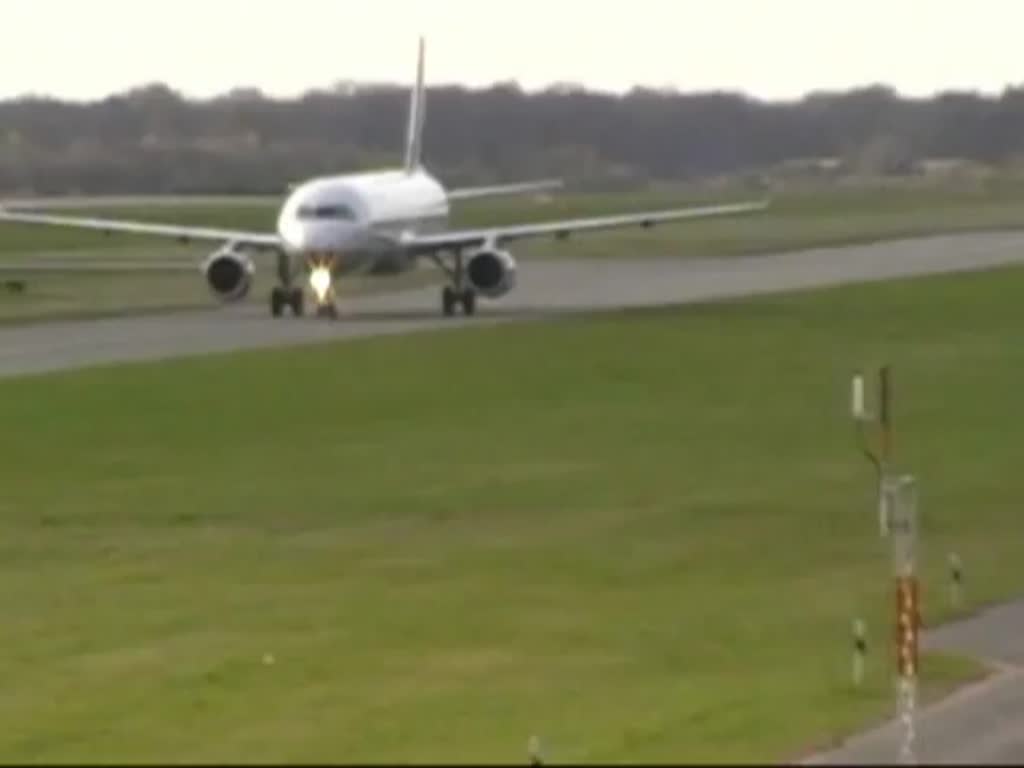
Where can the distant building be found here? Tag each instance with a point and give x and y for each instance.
(952, 166)
(811, 166)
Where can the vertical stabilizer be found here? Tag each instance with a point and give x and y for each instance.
(417, 111)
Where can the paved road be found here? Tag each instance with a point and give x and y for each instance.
(546, 288)
(981, 724)
(996, 634)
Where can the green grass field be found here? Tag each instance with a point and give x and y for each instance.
(799, 218)
(642, 536)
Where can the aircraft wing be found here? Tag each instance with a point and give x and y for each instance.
(493, 236)
(71, 266)
(520, 188)
(185, 234)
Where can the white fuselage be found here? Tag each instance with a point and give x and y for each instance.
(356, 220)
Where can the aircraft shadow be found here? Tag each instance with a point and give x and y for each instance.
(360, 316)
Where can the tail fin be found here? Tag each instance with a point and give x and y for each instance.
(417, 112)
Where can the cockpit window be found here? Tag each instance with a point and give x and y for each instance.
(326, 212)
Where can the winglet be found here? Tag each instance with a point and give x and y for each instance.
(417, 112)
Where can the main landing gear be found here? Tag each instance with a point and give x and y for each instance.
(456, 293)
(286, 293)
(452, 297)
(281, 297)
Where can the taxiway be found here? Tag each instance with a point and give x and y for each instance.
(546, 288)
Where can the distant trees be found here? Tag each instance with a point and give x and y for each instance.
(151, 139)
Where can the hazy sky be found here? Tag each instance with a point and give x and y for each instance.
(85, 49)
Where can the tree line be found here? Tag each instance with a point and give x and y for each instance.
(153, 140)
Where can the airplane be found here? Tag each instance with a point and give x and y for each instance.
(379, 222)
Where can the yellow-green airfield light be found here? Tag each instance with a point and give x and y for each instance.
(956, 580)
(533, 751)
(860, 651)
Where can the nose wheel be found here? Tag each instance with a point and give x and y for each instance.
(451, 298)
(281, 297)
(327, 309)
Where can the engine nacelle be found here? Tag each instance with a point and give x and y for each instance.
(228, 274)
(491, 273)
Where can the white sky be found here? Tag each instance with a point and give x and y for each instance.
(86, 49)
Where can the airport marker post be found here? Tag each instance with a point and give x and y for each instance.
(863, 417)
(902, 505)
(897, 518)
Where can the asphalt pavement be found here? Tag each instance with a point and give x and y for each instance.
(546, 288)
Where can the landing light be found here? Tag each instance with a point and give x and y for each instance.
(320, 282)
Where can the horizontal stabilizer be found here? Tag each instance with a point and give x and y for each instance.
(521, 188)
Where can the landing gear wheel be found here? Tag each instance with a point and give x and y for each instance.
(277, 300)
(468, 299)
(330, 309)
(296, 300)
(448, 300)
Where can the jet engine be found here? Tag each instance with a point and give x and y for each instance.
(491, 273)
(228, 274)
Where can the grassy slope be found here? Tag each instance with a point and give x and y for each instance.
(642, 536)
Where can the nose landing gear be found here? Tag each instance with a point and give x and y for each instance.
(321, 280)
(286, 294)
(328, 309)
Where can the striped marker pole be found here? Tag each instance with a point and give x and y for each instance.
(903, 501)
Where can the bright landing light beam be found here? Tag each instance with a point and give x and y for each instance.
(320, 282)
